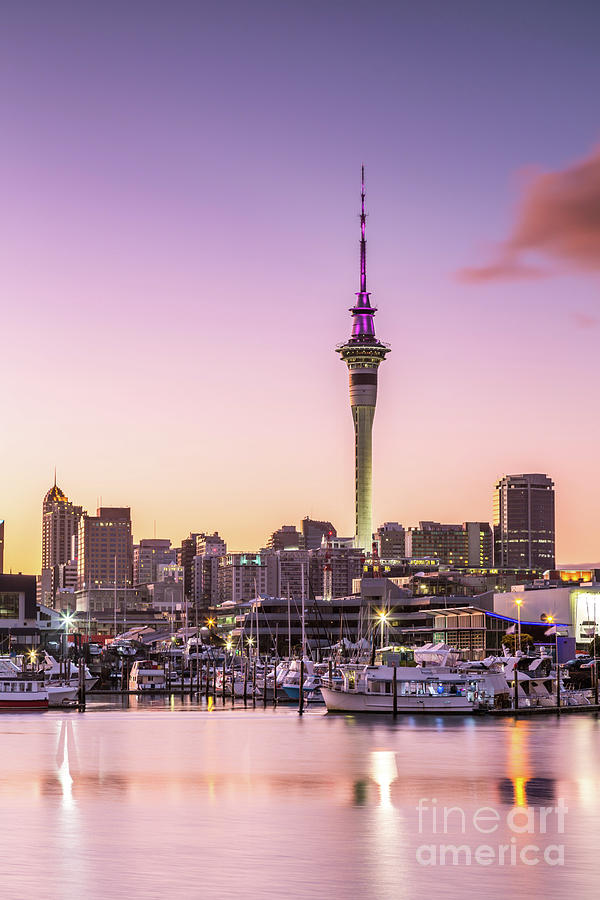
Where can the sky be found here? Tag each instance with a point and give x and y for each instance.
(179, 250)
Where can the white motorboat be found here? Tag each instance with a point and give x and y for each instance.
(20, 691)
(147, 677)
(53, 673)
(432, 689)
(58, 694)
(311, 689)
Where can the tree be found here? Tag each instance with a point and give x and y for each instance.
(510, 641)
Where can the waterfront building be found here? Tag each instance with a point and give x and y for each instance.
(105, 549)
(148, 555)
(265, 621)
(524, 528)
(109, 601)
(363, 353)
(18, 613)
(314, 532)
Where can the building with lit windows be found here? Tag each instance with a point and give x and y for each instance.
(524, 530)
(105, 549)
(148, 555)
(469, 544)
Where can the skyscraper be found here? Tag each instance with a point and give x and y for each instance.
(105, 557)
(60, 522)
(524, 536)
(149, 554)
(363, 353)
(1, 546)
(313, 532)
(60, 526)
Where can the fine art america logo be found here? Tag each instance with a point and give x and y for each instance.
(523, 835)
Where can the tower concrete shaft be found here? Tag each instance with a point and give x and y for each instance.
(363, 354)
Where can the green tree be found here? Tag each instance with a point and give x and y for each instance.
(510, 641)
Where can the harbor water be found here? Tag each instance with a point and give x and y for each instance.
(164, 798)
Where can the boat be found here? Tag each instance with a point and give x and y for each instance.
(311, 686)
(69, 674)
(147, 677)
(419, 689)
(60, 694)
(20, 691)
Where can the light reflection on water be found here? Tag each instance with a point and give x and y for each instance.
(164, 799)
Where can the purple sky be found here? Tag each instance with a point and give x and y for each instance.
(179, 249)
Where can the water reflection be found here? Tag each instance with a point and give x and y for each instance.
(325, 806)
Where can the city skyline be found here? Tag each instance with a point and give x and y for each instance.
(175, 275)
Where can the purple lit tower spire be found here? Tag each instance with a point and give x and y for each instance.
(363, 354)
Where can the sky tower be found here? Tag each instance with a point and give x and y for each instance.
(363, 353)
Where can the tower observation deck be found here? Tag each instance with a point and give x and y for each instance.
(363, 353)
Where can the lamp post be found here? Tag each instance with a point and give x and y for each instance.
(67, 619)
(382, 622)
(518, 601)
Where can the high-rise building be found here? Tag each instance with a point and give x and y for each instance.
(209, 550)
(60, 523)
(241, 576)
(148, 555)
(313, 532)
(480, 542)
(60, 527)
(524, 530)
(363, 354)
(390, 540)
(105, 549)
(185, 558)
(1, 546)
(469, 544)
(285, 538)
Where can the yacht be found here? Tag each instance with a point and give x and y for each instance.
(147, 677)
(429, 689)
(19, 690)
(53, 674)
(311, 685)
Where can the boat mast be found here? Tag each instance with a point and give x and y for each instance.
(289, 624)
(303, 632)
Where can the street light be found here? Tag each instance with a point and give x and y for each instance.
(383, 619)
(518, 601)
(67, 620)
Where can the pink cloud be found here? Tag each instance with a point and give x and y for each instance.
(558, 218)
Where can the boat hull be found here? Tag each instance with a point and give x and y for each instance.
(345, 701)
(58, 695)
(23, 705)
